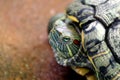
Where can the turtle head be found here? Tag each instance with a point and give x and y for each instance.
(64, 37)
(65, 40)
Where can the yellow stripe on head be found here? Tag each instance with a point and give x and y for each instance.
(70, 52)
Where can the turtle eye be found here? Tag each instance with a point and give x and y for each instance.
(66, 39)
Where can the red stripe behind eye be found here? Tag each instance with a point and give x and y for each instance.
(76, 42)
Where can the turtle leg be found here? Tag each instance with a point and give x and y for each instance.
(85, 72)
(81, 71)
(90, 77)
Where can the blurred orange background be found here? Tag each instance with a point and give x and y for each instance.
(25, 53)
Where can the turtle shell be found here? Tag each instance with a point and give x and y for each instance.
(113, 39)
(104, 11)
(108, 11)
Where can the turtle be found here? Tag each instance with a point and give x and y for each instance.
(65, 40)
(100, 42)
(100, 32)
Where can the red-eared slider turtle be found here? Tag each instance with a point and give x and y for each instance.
(65, 39)
(100, 26)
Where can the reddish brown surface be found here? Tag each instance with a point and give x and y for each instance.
(24, 50)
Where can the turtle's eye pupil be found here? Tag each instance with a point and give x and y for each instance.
(66, 39)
